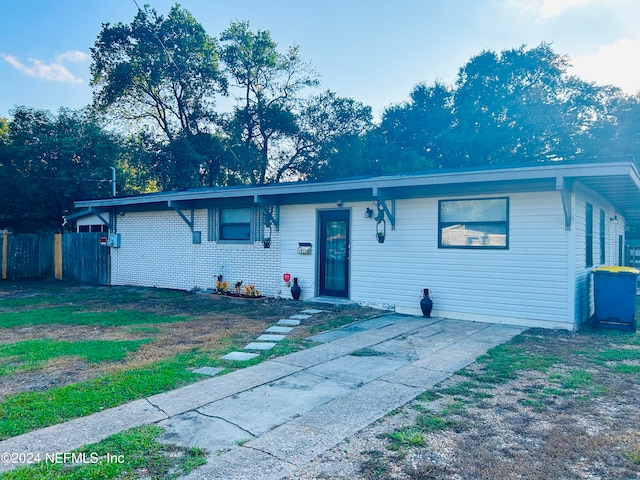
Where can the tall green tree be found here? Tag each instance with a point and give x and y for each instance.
(515, 105)
(159, 73)
(47, 162)
(268, 87)
(423, 125)
(332, 130)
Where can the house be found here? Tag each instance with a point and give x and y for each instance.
(506, 245)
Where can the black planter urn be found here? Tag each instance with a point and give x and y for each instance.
(426, 304)
(295, 290)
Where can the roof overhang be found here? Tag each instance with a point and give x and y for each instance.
(617, 181)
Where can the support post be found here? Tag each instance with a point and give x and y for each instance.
(178, 210)
(382, 206)
(57, 256)
(102, 219)
(5, 249)
(565, 187)
(268, 210)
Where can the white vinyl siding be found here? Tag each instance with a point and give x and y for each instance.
(299, 221)
(583, 292)
(528, 281)
(540, 280)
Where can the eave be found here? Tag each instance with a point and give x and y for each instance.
(617, 181)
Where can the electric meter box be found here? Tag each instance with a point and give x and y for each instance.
(113, 240)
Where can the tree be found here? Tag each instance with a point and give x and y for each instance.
(423, 125)
(331, 137)
(47, 162)
(517, 106)
(158, 73)
(268, 84)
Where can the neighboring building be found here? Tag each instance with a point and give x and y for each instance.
(507, 245)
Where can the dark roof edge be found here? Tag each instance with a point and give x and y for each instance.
(523, 173)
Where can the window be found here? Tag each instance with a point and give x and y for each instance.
(602, 238)
(589, 235)
(477, 223)
(93, 228)
(235, 224)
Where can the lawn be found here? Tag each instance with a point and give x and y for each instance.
(68, 351)
(546, 405)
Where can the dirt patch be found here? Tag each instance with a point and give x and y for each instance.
(210, 323)
(577, 420)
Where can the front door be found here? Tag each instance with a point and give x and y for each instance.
(333, 270)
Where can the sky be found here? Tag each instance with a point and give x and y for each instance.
(373, 51)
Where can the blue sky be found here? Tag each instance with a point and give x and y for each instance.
(371, 50)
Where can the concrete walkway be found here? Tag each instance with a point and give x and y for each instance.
(265, 421)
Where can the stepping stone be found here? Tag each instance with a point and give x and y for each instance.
(287, 321)
(211, 371)
(300, 317)
(279, 329)
(239, 356)
(270, 338)
(312, 311)
(259, 346)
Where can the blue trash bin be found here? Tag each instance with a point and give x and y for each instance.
(615, 297)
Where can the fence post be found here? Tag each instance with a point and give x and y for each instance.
(57, 256)
(5, 241)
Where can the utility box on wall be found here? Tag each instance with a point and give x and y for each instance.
(113, 240)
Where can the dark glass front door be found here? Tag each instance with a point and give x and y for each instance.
(334, 253)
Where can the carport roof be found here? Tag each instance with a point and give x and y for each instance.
(617, 180)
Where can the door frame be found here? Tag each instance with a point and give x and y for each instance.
(341, 214)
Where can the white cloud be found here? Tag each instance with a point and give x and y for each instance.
(552, 8)
(52, 72)
(613, 64)
(545, 9)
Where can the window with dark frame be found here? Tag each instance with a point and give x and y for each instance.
(589, 235)
(93, 228)
(602, 238)
(235, 224)
(479, 223)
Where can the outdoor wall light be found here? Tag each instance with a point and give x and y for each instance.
(614, 219)
(368, 213)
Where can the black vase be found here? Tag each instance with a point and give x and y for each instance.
(295, 290)
(426, 304)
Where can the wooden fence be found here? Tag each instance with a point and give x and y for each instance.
(77, 257)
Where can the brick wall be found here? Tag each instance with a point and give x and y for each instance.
(157, 250)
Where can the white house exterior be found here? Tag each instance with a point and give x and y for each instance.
(510, 245)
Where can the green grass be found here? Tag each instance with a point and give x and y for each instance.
(29, 411)
(34, 354)
(134, 453)
(414, 435)
(68, 315)
(619, 355)
(504, 362)
(406, 437)
(367, 352)
(59, 304)
(333, 324)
